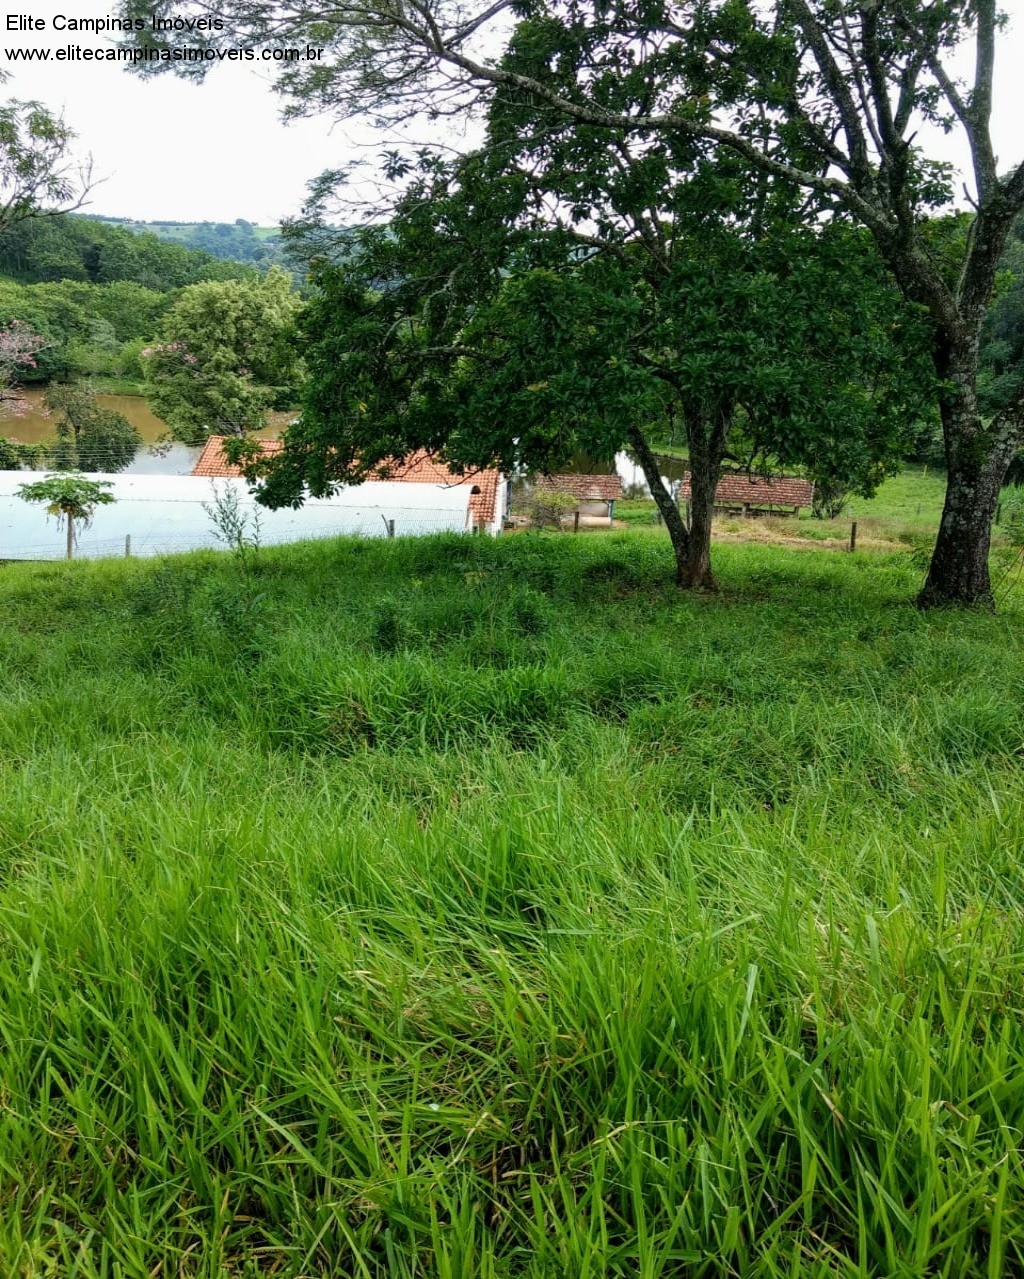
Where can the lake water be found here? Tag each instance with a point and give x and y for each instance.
(161, 456)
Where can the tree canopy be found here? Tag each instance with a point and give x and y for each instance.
(823, 96)
(37, 172)
(486, 325)
(71, 498)
(226, 356)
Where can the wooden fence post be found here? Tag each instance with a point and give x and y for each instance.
(853, 537)
(127, 545)
(576, 522)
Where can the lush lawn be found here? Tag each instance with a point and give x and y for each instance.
(463, 908)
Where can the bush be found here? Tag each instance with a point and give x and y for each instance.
(548, 510)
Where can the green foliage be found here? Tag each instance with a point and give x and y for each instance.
(468, 325)
(547, 509)
(1012, 514)
(71, 499)
(228, 355)
(89, 328)
(238, 241)
(89, 437)
(674, 937)
(36, 171)
(830, 499)
(90, 251)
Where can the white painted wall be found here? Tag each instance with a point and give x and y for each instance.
(164, 513)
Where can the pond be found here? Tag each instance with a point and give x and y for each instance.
(160, 456)
(164, 457)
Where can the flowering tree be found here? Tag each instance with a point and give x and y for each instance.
(19, 347)
(70, 498)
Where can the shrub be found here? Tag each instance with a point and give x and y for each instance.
(548, 510)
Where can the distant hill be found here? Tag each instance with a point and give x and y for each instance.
(238, 241)
(104, 250)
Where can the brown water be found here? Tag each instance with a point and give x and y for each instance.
(159, 456)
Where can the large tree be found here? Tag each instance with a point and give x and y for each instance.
(37, 174)
(827, 94)
(226, 356)
(484, 323)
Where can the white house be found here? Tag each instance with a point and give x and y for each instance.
(161, 514)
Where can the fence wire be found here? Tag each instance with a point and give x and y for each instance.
(146, 542)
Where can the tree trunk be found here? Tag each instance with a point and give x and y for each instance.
(705, 469)
(976, 463)
(958, 572)
(692, 546)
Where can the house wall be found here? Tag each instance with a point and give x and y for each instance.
(163, 514)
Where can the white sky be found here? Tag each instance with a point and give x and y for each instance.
(169, 149)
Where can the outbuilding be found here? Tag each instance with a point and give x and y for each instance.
(745, 494)
(162, 514)
(487, 487)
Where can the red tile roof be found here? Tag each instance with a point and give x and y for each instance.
(418, 468)
(757, 490)
(213, 463)
(597, 488)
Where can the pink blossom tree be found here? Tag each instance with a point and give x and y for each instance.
(19, 347)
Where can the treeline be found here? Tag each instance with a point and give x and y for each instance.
(89, 329)
(69, 247)
(96, 293)
(238, 241)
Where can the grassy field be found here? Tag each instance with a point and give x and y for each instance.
(463, 908)
(905, 512)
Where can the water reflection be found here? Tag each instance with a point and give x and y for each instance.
(158, 456)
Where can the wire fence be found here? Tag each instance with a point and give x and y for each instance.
(145, 538)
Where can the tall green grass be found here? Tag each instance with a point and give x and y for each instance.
(471, 908)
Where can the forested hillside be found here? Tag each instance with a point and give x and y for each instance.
(238, 241)
(94, 292)
(70, 247)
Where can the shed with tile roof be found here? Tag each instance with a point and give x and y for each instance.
(757, 494)
(590, 491)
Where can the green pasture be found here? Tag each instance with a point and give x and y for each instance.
(470, 908)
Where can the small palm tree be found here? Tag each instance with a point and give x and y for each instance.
(71, 498)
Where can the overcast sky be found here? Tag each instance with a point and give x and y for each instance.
(169, 149)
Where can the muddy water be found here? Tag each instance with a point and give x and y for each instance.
(162, 458)
(158, 456)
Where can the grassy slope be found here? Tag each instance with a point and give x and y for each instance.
(905, 511)
(467, 908)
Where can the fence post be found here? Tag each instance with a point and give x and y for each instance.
(853, 537)
(127, 545)
(391, 528)
(576, 522)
